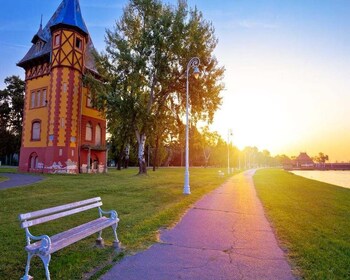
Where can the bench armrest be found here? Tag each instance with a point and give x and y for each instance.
(45, 241)
(112, 213)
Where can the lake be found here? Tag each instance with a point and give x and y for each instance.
(338, 177)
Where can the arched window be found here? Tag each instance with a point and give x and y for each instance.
(36, 129)
(98, 135)
(88, 132)
(33, 160)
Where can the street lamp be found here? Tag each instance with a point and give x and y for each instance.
(229, 133)
(193, 63)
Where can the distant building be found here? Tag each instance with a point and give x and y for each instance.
(62, 132)
(303, 161)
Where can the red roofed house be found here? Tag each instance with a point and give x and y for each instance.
(303, 161)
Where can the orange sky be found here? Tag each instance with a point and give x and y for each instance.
(287, 79)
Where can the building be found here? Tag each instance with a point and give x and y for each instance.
(303, 161)
(62, 132)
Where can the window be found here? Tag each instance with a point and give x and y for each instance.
(36, 127)
(98, 135)
(88, 100)
(78, 43)
(33, 159)
(32, 103)
(88, 132)
(43, 100)
(39, 45)
(91, 101)
(57, 40)
(38, 98)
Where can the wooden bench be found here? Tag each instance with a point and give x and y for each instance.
(45, 245)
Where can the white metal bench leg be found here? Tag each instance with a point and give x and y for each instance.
(116, 240)
(99, 240)
(46, 260)
(26, 274)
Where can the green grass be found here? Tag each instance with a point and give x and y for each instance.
(8, 169)
(2, 178)
(144, 204)
(312, 221)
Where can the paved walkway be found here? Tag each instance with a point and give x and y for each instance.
(224, 236)
(17, 180)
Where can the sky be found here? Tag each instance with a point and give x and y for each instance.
(287, 78)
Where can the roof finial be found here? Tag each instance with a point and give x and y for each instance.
(41, 21)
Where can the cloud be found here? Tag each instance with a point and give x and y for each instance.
(250, 24)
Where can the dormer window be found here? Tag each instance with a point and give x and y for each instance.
(78, 43)
(39, 45)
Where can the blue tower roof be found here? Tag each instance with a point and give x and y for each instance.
(68, 14)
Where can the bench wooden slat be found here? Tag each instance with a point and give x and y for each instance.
(73, 235)
(48, 211)
(41, 220)
(50, 244)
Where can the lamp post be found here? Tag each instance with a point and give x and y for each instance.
(229, 133)
(193, 63)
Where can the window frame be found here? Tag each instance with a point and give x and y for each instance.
(38, 98)
(78, 43)
(98, 135)
(88, 126)
(57, 40)
(36, 121)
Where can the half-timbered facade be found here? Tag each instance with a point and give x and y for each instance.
(62, 132)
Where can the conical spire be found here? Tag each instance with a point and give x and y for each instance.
(39, 34)
(69, 13)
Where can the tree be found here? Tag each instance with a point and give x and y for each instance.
(283, 160)
(321, 158)
(208, 142)
(11, 115)
(144, 69)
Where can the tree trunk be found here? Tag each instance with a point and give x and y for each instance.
(169, 157)
(119, 163)
(127, 156)
(141, 140)
(155, 157)
(120, 158)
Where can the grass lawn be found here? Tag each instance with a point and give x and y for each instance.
(2, 178)
(311, 219)
(144, 204)
(8, 169)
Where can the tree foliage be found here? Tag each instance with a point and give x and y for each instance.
(321, 158)
(144, 70)
(11, 115)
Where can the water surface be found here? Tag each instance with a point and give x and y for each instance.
(338, 177)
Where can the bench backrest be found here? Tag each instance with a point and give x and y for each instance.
(53, 213)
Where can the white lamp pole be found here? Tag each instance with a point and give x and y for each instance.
(193, 63)
(229, 133)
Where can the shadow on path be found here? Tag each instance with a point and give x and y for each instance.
(18, 180)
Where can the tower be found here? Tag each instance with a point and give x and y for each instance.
(62, 132)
